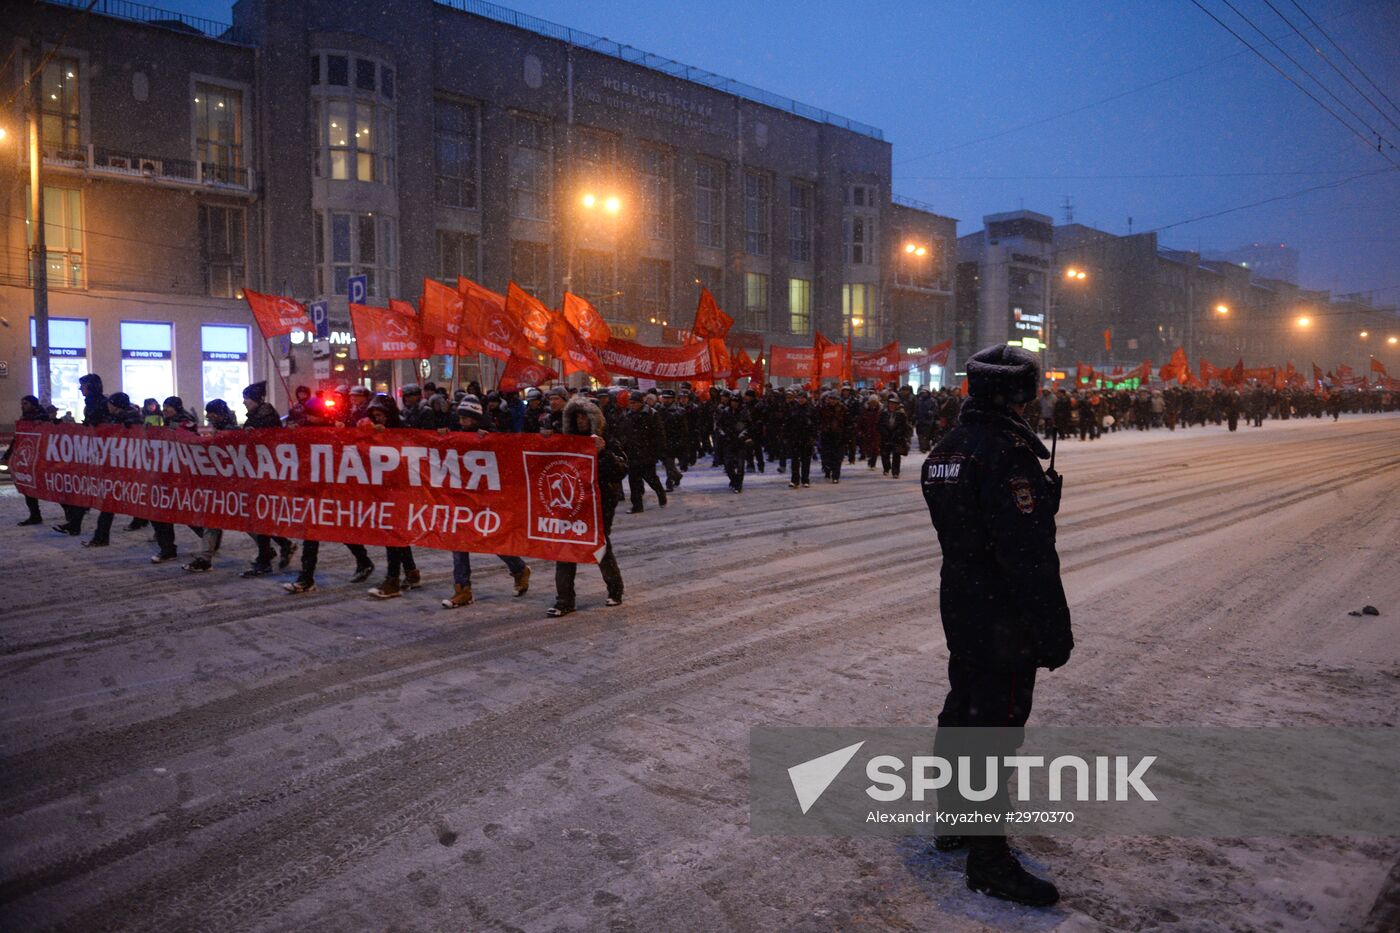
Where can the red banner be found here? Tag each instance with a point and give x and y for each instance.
(392, 333)
(577, 354)
(277, 315)
(520, 494)
(934, 356)
(1378, 367)
(1176, 368)
(487, 327)
(885, 363)
(797, 362)
(626, 358)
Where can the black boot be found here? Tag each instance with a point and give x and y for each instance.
(994, 871)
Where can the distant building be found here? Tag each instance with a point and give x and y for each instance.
(1003, 283)
(1277, 261)
(306, 144)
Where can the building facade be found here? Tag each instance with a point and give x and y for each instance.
(311, 143)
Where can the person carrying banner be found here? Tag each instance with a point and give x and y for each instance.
(94, 412)
(119, 411)
(30, 412)
(471, 418)
(262, 415)
(584, 418)
(402, 571)
(1001, 601)
(221, 418)
(173, 416)
(314, 415)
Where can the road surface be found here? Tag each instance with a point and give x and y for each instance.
(205, 752)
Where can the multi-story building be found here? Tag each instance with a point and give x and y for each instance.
(311, 143)
(921, 259)
(1115, 301)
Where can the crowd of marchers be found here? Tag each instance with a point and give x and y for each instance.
(651, 439)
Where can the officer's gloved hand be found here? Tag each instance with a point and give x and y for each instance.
(1054, 481)
(1053, 645)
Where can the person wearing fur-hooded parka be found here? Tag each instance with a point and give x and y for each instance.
(583, 417)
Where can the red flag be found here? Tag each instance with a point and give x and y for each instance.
(1377, 367)
(523, 371)
(710, 321)
(586, 320)
(388, 333)
(739, 368)
(535, 319)
(881, 365)
(1236, 373)
(441, 316)
(1176, 368)
(1317, 375)
(577, 354)
(487, 327)
(719, 359)
(820, 346)
(934, 356)
(277, 315)
(1108, 340)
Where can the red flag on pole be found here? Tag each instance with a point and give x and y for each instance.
(710, 321)
(577, 354)
(392, 333)
(533, 316)
(586, 320)
(523, 371)
(1378, 367)
(487, 327)
(820, 345)
(442, 316)
(276, 314)
(1108, 340)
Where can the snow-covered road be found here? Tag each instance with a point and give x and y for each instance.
(205, 752)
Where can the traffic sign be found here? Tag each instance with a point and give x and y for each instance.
(321, 319)
(358, 289)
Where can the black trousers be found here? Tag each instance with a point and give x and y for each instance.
(33, 506)
(832, 451)
(311, 553)
(103, 531)
(801, 453)
(979, 699)
(889, 460)
(399, 558)
(639, 476)
(265, 551)
(565, 573)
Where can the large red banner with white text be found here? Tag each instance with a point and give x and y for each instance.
(661, 363)
(521, 494)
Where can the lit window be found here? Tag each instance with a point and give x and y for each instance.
(856, 308)
(63, 236)
(755, 301)
(224, 348)
(148, 364)
(218, 121)
(799, 306)
(68, 362)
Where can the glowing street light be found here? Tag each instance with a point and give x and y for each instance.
(613, 204)
(589, 200)
(1365, 334)
(1222, 309)
(914, 249)
(1073, 273)
(1305, 322)
(1392, 340)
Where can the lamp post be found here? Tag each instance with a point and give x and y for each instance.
(39, 264)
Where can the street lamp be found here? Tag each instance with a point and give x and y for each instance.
(1392, 340)
(1222, 309)
(1073, 273)
(613, 204)
(914, 249)
(1305, 322)
(1365, 334)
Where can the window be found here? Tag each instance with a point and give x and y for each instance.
(364, 75)
(148, 365)
(455, 152)
(656, 192)
(799, 306)
(859, 234)
(529, 267)
(800, 199)
(860, 195)
(224, 348)
(529, 170)
(359, 244)
(856, 308)
(456, 256)
(354, 130)
(597, 157)
(221, 250)
(709, 277)
(68, 362)
(758, 196)
(595, 279)
(218, 132)
(63, 236)
(755, 301)
(709, 204)
(338, 70)
(656, 290)
(62, 108)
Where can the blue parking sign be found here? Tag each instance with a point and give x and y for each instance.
(320, 319)
(358, 289)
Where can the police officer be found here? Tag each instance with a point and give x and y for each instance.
(1002, 604)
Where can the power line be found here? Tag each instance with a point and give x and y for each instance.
(1323, 55)
(1359, 69)
(1226, 26)
(1116, 177)
(1299, 65)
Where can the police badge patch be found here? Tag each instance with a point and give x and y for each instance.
(1021, 492)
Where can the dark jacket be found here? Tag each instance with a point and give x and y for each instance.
(800, 423)
(612, 461)
(263, 416)
(643, 437)
(1002, 602)
(894, 429)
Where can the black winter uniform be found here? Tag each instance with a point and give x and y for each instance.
(643, 439)
(894, 438)
(732, 440)
(1002, 604)
(799, 431)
